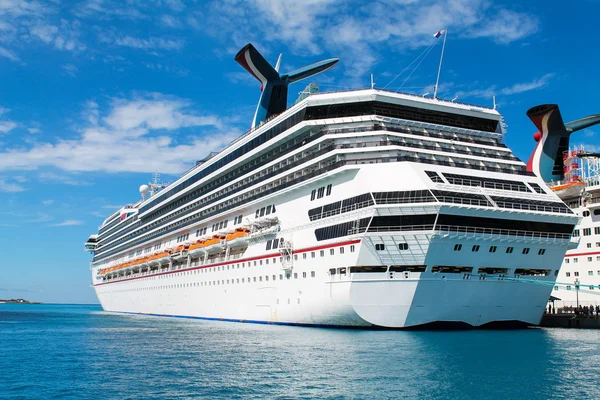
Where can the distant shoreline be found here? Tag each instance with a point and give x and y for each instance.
(18, 301)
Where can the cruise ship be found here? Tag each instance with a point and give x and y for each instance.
(573, 174)
(360, 208)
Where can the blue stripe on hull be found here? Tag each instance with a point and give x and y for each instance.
(250, 321)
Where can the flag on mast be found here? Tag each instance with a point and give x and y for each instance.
(439, 33)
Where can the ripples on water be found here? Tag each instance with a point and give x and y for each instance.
(56, 352)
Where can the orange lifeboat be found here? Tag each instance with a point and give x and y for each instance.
(238, 238)
(157, 259)
(215, 244)
(569, 190)
(196, 249)
(180, 252)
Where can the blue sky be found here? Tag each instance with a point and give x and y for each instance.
(96, 95)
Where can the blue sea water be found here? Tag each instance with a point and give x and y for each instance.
(80, 352)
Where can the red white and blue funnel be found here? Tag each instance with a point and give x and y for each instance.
(546, 161)
(273, 99)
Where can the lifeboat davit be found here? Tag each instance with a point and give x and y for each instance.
(196, 249)
(159, 258)
(238, 238)
(180, 252)
(215, 244)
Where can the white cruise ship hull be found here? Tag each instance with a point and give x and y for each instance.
(374, 237)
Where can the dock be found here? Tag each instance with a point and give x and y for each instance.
(569, 321)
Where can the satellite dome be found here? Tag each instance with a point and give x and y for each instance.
(144, 190)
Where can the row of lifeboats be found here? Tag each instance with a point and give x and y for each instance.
(215, 244)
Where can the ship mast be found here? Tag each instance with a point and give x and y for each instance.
(437, 81)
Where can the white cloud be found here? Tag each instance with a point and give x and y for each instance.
(33, 130)
(6, 126)
(63, 178)
(359, 31)
(9, 187)
(70, 70)
(41, 217)
(47, 202)
(69, 222)
(8, 54)
(507, 91)
(151, 43)
(135, 136)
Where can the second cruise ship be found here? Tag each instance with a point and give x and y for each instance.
(358, 208)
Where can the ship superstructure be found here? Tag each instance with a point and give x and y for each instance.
(357, 208)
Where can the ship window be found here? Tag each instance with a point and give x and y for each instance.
(568, 287)
(267, 261)
(576, 260)
(591, 273)
(576, 233)
(541, 252)
(587, 231)
(597, 212)
(275, 243)
(586, 213)
(221, 225)
(509, 250)
(341, 250)
(567, 261)
(322, 253)
(262, 211)
(312, 254)
(304, 256)
(597, 230)
(295, 275)
(403, 246)
(312, 195)
(312, 274)
(475, 248)
(274, 260)
(457, 247)
(352, 249)
(379, 246)
(320, 192)
(269, 209)
(295, 257)
(328, 190)
(268, 245)
(331, 251)
(492, 249)
(588, 245)
(589, 259)
(257, 213)
(304, 274)
(434, 176)
(576, 273)
(525, 250)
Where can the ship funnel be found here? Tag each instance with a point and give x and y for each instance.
(274, 86)
(553, 136)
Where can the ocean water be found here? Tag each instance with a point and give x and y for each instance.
(80, 352)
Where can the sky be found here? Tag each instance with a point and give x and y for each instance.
(97, 95)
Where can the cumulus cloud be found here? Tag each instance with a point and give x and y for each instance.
(134, 135)
(360, 31)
